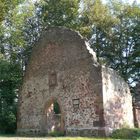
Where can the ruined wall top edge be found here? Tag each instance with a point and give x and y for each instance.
(116, 78)
(63, 35)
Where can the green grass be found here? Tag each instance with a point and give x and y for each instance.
(126, 133)
(11, 137)
(119, 134)
(55, 138)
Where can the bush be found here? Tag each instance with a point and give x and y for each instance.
(10, 79)
(8, 121)
(126, 133)
(56, 133)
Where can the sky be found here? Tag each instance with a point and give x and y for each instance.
(130, 1)
(104, 1)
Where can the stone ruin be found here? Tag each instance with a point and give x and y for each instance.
(136, 106)
(65, 89)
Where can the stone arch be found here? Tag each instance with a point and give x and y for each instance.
(53, 121)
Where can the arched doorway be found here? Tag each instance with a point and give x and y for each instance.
(54, 118)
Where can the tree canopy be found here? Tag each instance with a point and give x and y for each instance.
(6, 6)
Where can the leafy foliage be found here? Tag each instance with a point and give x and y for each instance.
(10, 78)
(60, 13)
(56, 108)
(56, 134)
(7, 5)
(126, 133)
(114, 35)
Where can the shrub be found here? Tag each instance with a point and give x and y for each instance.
(126, 133)
(56, 133)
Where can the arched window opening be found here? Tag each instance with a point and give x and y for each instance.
(56, 108)
(54, 120)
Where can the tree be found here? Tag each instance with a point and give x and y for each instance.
(12, 37)
(60, 13)
(100, 23)
(6, 6)
(114, 35)
(125, 41)
(10, 79)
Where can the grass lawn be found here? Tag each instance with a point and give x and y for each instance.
(49, 138)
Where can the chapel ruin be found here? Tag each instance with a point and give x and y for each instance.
(65, 89)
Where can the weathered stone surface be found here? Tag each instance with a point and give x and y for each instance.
(117, 101)
(136, 106)
(137, 95)
(64, 68)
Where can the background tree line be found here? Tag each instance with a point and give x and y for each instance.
(113, 30)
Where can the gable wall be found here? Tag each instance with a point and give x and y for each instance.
(61, 67)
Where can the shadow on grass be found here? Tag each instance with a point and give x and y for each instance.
(7, 135)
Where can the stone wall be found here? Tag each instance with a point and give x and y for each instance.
(64, 68)
(137, 94)
(137, 116)
(118, 111)
(136, 106)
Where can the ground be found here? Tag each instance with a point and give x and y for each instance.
(50, 138)
(9, 137)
